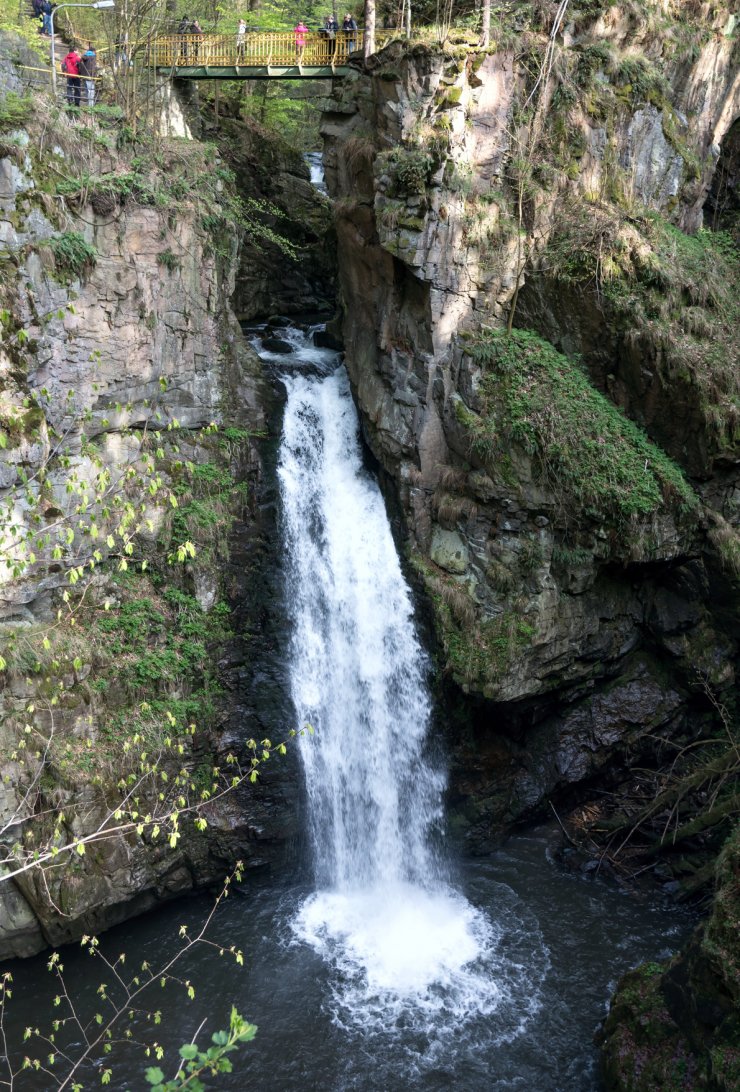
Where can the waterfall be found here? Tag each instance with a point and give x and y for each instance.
(314, 162)
(403, 943)
(357, 670)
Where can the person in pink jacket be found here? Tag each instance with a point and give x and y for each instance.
(301, 31)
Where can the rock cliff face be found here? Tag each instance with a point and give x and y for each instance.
(571, 564)
(122, 363)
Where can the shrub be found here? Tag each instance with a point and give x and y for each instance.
(169, 260)
(412, 168)
(15, 110)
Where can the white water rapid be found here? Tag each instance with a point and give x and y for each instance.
(403, 945)
(315, 164)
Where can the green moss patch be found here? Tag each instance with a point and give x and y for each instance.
(680, 289)
(15, 110)
(479, 656)
(644, 1047)
(478, 652)
(595, 459)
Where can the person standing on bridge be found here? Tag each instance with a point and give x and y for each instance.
(197, 31)
(331, 26)
(301, 31)
(182, 29)
(241, 41)
(349, 26)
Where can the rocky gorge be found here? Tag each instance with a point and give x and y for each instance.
(588, 615)
(570, 524)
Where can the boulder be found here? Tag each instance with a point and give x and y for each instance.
(324, 339)
(276, 345)
(449, 551)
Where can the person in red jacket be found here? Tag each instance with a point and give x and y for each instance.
(71, 69)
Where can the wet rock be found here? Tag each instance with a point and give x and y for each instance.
(325, 339)
(276, 345)
(678, 1022)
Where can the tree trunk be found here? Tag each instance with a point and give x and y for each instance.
(485, 38)
(369, 17)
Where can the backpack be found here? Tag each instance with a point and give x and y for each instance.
(64, 66)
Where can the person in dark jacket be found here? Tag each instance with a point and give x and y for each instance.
(349, 26)
(197, 30)
(183, 28)
(46, 9)
(331, 26)
(88, 72)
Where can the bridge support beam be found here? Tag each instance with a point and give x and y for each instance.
(253, 72)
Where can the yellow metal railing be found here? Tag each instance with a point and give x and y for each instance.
(257, 49)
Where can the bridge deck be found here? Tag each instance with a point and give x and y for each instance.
(278, 55)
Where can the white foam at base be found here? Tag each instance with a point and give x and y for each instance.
(403, 939)
(403, 956)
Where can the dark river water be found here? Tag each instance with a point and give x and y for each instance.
(561, 941)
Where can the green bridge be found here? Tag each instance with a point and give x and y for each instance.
(280, 55)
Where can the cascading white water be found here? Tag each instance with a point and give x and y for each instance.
(402, 942)
(315, 163)
(357, 671)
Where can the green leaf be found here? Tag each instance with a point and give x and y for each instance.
(188, 1051)
(154, 1074)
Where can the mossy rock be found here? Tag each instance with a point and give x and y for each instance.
(451, 99)
(675, 1027)
(412, 223)
(535, 399)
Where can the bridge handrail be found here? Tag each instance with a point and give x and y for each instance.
(258, 48)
